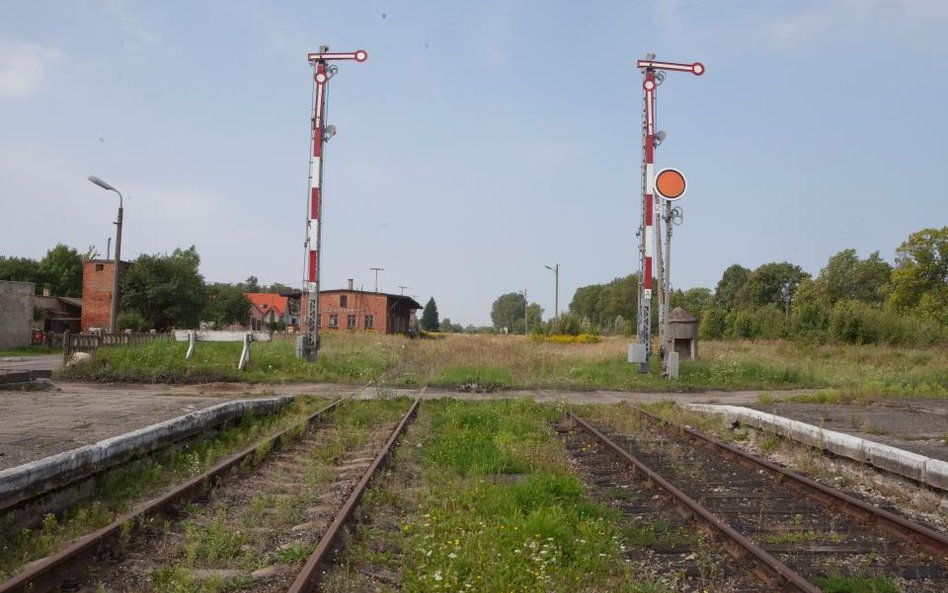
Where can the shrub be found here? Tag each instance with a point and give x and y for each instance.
(713, 323)
(132, 320)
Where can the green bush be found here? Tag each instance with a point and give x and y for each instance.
(713, 324)
(133, 321)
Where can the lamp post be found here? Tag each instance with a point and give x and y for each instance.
(113, 325)
(556, 307)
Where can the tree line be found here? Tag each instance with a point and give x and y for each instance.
(851, 300)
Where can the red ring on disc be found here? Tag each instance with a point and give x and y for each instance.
(321, 78)
(697, 68)
(649, 85)
(361, 55)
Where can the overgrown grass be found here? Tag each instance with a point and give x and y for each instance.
(500, 511)
(347, 359)
(848, 584)
(493, 363)
(124, 486)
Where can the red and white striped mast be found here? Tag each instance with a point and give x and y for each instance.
(654, 73)
(310, 342)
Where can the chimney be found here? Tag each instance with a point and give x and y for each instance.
(350, 283)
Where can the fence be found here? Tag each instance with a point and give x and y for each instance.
(73, 343)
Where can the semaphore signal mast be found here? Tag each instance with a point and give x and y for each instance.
(308, 345)
(653, 73)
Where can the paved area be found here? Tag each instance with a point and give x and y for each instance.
(37, 362)
(916, 425)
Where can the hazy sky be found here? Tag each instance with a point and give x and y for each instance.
(479, 142)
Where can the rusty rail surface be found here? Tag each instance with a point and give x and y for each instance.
(774, 570)
(900, 527)
(48, 573)
(308, 578)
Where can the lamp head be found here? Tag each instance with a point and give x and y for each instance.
(101, 183)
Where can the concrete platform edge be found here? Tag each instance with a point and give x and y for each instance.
(932, 472)
(30, 479)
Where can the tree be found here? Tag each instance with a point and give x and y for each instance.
(61, 271)
(848, 277)
(226, 304)
(251, 284)
(919, 283)
(448, 327)
(20, 269)
(166, 290)
(693, 300)
(429, 316)
(601, 304)
(771, 284)
(507, 312)
(728, 286)
(534, 317)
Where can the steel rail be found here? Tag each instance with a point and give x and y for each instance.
(773, 567)
(906, 530)
(48, 573)
(308, 577)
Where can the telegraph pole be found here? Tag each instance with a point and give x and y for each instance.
(308, 346)
(377, 270)
(653, 73)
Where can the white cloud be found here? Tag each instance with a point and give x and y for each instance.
(24, 67)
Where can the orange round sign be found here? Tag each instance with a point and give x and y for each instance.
(670, 184)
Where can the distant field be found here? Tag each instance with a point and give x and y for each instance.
(496, 363)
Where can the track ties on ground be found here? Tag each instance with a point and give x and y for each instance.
(284, 474)
(796, 530)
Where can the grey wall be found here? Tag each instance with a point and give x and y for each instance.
(16, 313)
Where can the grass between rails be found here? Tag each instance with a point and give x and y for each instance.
(125, 486)
(496, 509)
(494, 363)
(240, 532)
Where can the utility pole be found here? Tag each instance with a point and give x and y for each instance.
(308, 345)
(556, 306)
(377, 270)
(653, 74)
(526, 305)
(401, 289)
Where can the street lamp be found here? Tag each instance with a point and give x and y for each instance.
(113, 325)
(556, 308)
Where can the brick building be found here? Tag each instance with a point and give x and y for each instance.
(97, 293)
(372, 311)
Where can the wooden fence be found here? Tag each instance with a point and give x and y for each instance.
(73, 343)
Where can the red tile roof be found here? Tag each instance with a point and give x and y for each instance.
(265, 301)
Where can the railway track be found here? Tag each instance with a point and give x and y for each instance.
(792, 532)
(255, 529)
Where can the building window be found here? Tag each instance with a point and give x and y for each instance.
(99, 267)
(333, 321)
(369, 322)
(350, 322)
(343, 300)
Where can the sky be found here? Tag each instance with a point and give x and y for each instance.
(480, 141)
